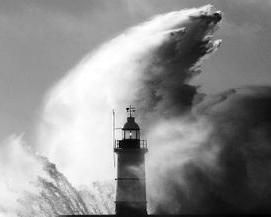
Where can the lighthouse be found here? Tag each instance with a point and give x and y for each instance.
(130, 179)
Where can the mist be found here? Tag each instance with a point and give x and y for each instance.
(145, 66)
(208, 154)
(222, 165)
(149, 66)
(16, 163)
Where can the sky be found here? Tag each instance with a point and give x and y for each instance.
(41, 40)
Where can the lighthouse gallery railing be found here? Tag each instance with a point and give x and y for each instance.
(142, 144)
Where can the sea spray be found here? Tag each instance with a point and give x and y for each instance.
(208, 154)
(32, 186)
(216, 159)
(149, 65)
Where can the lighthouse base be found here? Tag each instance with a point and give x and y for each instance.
(131, 208)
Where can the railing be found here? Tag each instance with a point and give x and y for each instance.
(131, 143)
(144, 144)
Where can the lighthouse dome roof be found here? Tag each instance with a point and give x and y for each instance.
(130, 124)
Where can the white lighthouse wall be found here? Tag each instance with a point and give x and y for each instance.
(131, 164)
(131, 176)
(130, 191)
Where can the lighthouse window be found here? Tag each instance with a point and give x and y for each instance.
(131, 134)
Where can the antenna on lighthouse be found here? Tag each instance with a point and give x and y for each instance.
(113, 134)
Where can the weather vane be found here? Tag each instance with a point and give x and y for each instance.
(130, 110)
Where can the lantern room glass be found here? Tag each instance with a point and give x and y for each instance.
(131, 134)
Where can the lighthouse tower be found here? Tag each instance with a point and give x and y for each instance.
(130, 180)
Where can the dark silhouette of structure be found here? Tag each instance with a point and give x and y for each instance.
(130, 181)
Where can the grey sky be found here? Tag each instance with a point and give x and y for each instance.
(40, 40)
